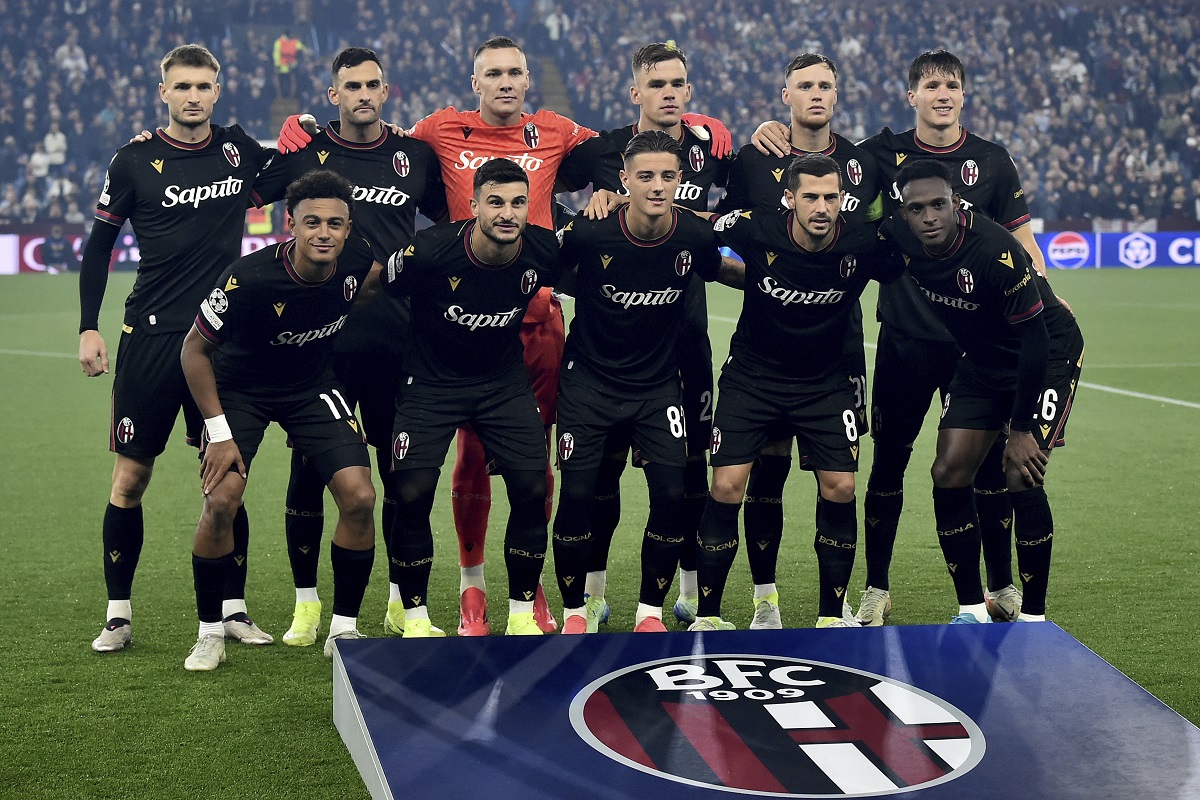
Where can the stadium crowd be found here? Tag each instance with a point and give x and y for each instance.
(1097, 102)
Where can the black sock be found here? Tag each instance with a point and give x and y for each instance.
(958, 535)
(995, 528)
(660, 557)
(881, 510)
(525, 536)
(604, 513)
(762, 514)
(995, 516)
(304, 517)
(412, 536)
(351, 574)
(695, 498)
(835, 542)
(881, 515)
(384, 462)
(235, 589)
(122, 534)
(718, 540)
(209, 577)
(1035, 540)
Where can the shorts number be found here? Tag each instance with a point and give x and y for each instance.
(334, 409)
(706, 406)
(675, 420)
(1049, 404)
(851, 424)
(860, 393)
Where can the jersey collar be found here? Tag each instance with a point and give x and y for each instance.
(928, 148)
(646, 242)
(349, 145)
(477, 261)
(961, 219)
(162, 134)
(290, 247)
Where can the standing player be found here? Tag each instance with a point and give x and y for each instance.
(1022, 358)
(392, 177)
(756, 182)
(634, 269)
(539, 143)
(916, 355)
(260, 351)
(470, 283)
(661, 92)
(786, 376)
(185, 192)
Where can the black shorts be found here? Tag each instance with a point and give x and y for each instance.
(974, 402)
(319, 424)
(821, 416)
(694, 353)
(372, 380)
(907, 373)
(504, 415)
(590, 419)
(148, 391)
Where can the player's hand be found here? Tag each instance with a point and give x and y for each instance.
(396, 129)
(216, 462)
(1065, 305)
(144, 136)
(772, 139)
(1022, 454)
(710, 128)
(603, 203)
(297, 132)
(93, 353)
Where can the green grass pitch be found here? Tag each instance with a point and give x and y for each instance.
(134, 724)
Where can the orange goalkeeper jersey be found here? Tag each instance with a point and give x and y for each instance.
(538, 144)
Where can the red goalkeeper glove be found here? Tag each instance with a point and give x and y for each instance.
(297, 132)
(710, 129)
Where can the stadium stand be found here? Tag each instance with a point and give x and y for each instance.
(1096, 101)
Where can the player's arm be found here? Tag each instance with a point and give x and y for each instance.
(772, 138)
(732, 273)
(1022, 449)
(221, 452)
(93, 280)
(372, 285)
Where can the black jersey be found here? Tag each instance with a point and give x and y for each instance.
(274, 330)
(982, 286)
(757, 181)
(466, 315)
(798, 304)
(629, 295)
(393, 177)
(187, 204)
(986, 178)
(701, 171)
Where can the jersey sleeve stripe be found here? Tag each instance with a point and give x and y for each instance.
(1018, 222)
(206, 331)
(111, 219)
(1032, 312)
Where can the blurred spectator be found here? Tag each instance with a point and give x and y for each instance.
(286, 56)
(57, 253)
(55, 144)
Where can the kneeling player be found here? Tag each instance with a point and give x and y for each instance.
(1022, 356)
(785, 375)
(470, 283)
(620, 374)
(259, 352)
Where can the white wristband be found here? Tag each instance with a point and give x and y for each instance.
(218, 429)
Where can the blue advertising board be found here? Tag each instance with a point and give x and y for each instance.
(1075, 250)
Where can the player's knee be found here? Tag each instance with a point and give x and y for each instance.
(837, 487)
(727, 489)
(216, 518)
(357, 501)
(947, 474)
(130, 479)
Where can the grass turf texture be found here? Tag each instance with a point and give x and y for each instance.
(135, 723)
